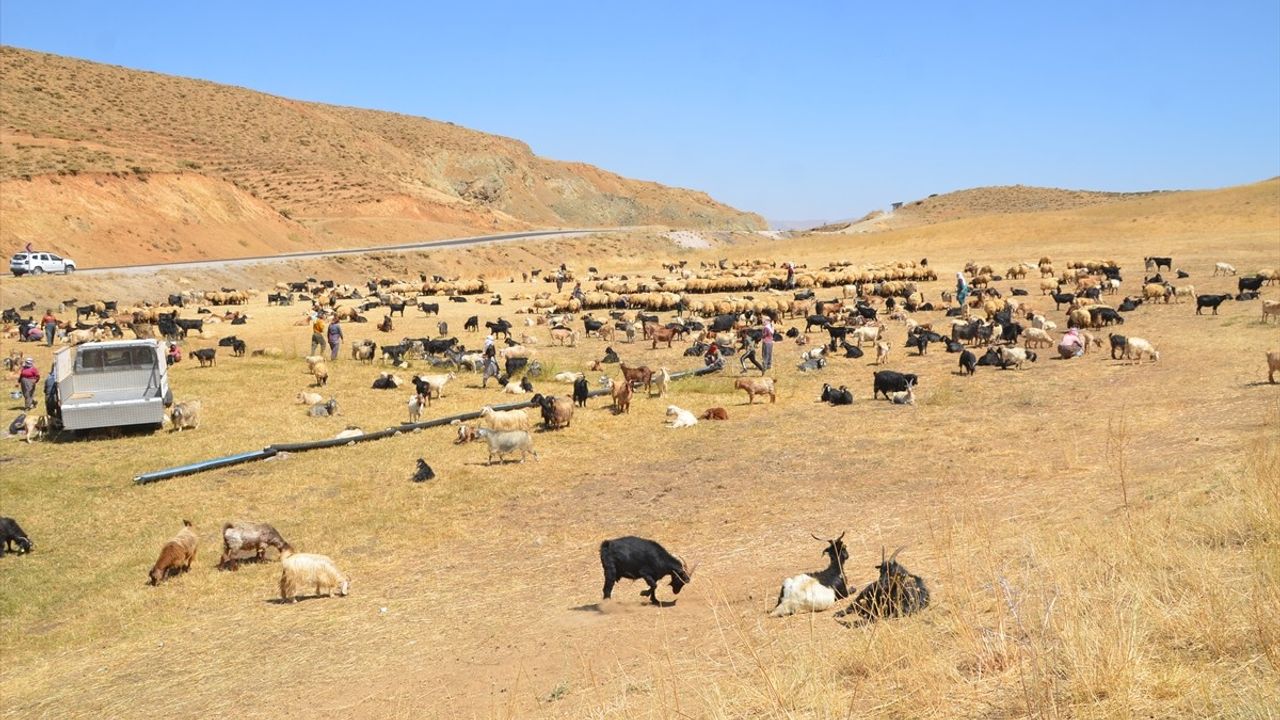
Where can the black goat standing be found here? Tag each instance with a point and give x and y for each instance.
(895, 593)
(636, 558)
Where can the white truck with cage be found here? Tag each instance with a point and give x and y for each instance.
(119, 383)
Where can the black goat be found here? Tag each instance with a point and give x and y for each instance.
(1155, 263)
(968, 362)
(887, 381)
(581, 390)
(837, 396)
(424, 472)
(11, 534)
(894, 594)
(1253, 282)
(851, 351)
(1119, 344)
(634, 558)
(472, 323)
(1210, 301)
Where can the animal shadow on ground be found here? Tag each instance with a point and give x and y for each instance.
(301, 598)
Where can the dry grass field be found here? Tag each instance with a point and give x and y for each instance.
(1101, 539)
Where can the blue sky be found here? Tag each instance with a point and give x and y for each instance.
(810, 110)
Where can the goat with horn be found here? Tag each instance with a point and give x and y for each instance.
(895, 593)
(816, 591)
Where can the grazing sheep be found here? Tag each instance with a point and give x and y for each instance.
(895, 593)
(1014, 356)
(1136, 347)
(1273, 365)
(715, 413)
(817, 591)
(310, 398)
(757, 386)
(504, 420)
(680, 418)
(882, 353)
(1038, 336)
(503, 443)
(634, 558)
(240, 537)
(177, 554)
(1223, 268)
(424, 472)
(12, 534)
(185, 415)
(307, 571)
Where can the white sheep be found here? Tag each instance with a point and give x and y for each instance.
(803, 593)
(1223, 268)
(566, 377)
(504, 420)
(1037, 336)
(304, 571)
(680, 418)
(310, 398)
(1136, 347)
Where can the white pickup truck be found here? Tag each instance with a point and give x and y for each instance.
(39, 263)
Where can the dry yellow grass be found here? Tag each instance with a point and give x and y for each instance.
(1101, 539)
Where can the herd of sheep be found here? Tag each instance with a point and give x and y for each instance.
(1006, 329)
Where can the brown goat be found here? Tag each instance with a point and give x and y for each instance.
(622, 396)
(177, 554)
(633, 375)
(757, 386)
(715, 413)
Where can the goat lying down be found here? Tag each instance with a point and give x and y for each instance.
(818, 591)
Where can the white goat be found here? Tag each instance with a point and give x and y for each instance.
(680, 418)
(304, 571)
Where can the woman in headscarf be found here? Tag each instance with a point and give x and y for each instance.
(28, 378)
(1072, 346)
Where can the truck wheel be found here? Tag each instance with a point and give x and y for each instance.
(37, 271)
(68, 269)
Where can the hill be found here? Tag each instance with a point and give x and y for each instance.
(974, 202)
(190, 168)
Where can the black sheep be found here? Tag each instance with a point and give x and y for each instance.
(894, 594)
(11, 534)
(634, 558)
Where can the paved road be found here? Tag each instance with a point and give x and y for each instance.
(428, 245)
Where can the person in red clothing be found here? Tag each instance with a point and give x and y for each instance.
(174, 355)
(50, 324)
(28, 379)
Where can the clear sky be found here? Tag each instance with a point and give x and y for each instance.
(797, 110)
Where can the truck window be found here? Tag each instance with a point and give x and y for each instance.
(98, 360)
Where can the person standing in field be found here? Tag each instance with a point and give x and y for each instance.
(766, 342)
(962, 289)
(335, 339)
(28, 378)
(50, 324)
(317, 334)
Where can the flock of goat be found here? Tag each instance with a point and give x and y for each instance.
(1007, 326)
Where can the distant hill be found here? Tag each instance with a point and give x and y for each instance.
(189, 168)
(975, 202)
